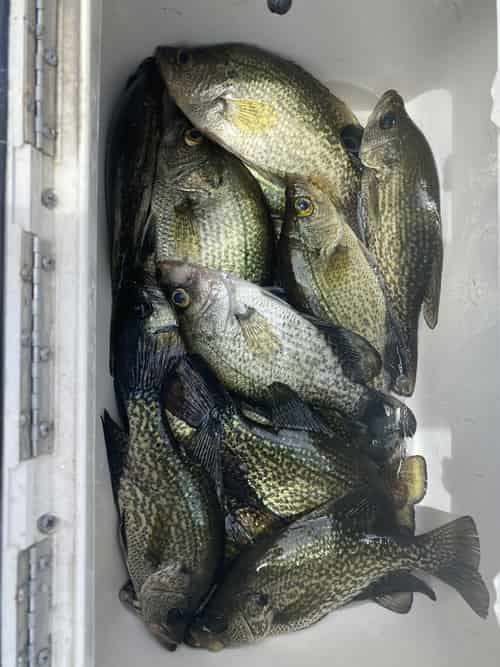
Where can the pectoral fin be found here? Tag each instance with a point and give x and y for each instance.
(290, 411)
(433, 292)
(251, 116)
(260, 336)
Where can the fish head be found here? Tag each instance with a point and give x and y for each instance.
(194, 165)
(201, 297)
(167, 603)
(382, 144)
(312, 219)
(198, 80)
(232, 619)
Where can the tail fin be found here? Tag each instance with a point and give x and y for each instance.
(386, 417)
(452, 553)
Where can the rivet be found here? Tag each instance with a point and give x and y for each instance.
(49, 198)
(47, 523)
(20, 596)
(44, 353)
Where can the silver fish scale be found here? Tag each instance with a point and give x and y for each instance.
(305, 363)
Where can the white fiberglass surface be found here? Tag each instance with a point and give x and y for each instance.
(441, 56)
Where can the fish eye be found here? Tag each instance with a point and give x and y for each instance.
(351, 137)
(181, 298)
(183, 57)
(303, 207)
(262, 599)
(193, 137)
(388, 121)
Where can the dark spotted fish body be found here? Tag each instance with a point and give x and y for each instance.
(206, 207)
(284, 472)
(327, 272)
(269, 112)
(324, 561)
(402, 222)
(170, 521)
(259, 347)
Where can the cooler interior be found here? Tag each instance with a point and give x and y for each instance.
(441, 55)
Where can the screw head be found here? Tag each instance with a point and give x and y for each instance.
(43, 657)
(44, 353)
(50, 57)
(43, 562)
(47, 523)
(20, 596)
(26, 273)
(24, 419)
(48, 263)
(44, 429)
(49, 198)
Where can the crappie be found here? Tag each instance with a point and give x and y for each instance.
(269, 112)
(206, 207)
(170, 520)
(261, 348)
(286, 472)
(324, 561)
(327, 272)
(402, 222)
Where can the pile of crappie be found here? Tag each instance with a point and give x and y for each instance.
(270, 259)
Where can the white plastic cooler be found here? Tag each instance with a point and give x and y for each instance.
(69, 60)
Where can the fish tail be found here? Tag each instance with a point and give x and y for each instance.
(452, 554)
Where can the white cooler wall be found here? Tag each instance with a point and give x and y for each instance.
(442, 56)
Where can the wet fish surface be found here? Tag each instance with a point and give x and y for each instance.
(207, 208)
(170, 520)
(327, 272)
(260, 348)
(402, 220)
(322, 562)
(269, 112)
